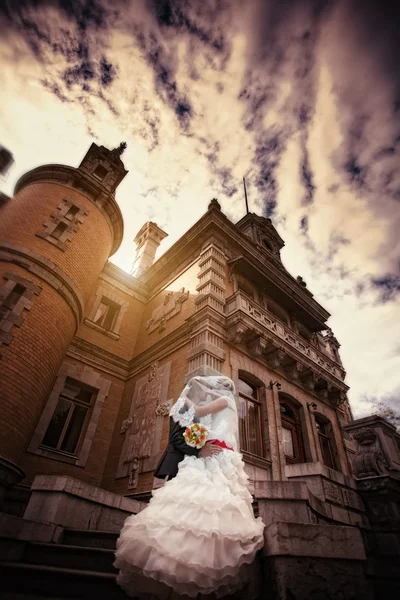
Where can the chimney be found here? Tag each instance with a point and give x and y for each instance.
(147, 241)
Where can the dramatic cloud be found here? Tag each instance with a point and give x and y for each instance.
(302, 98)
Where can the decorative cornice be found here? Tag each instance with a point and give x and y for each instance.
(164, 347)
(215, 223)
(86, 184)
(95, 356)
(126, 282)
(45, 269)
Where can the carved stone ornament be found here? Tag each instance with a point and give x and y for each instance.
(153, 371)
(257, 346)
(142, 430)
(310, 380)
(143, 438)
(170, 307)
(294, 370)
(133, 474)
(126, 423)
(163, 409)
(237, 333)
(276, 358)
(332, 492)
(369, 460)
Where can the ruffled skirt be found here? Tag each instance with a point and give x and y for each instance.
(198, 535)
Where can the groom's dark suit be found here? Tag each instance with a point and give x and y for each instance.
(174, 452)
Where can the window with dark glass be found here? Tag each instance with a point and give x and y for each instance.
(72, 212)
(325, 443)
(100, 172)
(11, 300)
(59, 230)
(291, 430)
(250, 421)
(107, 313)
(70, 417)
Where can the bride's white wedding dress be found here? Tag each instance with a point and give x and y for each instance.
(198, 534)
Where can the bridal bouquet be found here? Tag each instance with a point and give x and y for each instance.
(196, 435)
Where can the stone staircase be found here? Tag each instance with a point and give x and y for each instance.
(79, 566)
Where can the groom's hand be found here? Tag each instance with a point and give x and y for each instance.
(210, 450)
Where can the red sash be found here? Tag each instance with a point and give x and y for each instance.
(219, 443)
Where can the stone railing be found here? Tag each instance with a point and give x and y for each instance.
(241, 302)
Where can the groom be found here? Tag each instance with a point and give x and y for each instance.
(176, 450)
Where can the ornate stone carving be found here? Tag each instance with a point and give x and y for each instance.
(351, 499)
(257, 346)
(323, 393)
(126, 423)
(294, 370)
(133, 474)
(232, 263)
(153, 371)
(142, 429)
(236, 334)
(301, 281)
(337, 397)
(310, 380)
(163, 409)
(143, 439)
(276, 358)
(369, 459)
(333, 492)
(170, 307)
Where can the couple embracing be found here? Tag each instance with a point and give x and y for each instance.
(198, 536)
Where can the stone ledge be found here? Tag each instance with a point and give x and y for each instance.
(76, 487)
(317, 468)
(280, 497)
(322, 541)
(206, 347)
(69, 502)
(101, 329)
(17, 528)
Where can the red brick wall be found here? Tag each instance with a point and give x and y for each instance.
(29, 365)
(25, 214)
(124, 347)
(93, 471)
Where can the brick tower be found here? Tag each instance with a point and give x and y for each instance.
(55, 236)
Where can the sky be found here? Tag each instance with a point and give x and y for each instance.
(300, 97)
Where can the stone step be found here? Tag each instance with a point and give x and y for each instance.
(53, 582)
(71, 557)
(90, 539)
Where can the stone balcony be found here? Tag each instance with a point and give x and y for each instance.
(268, 338)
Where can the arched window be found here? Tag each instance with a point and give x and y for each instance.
(250, 419)
(291, 429)
(326, 444)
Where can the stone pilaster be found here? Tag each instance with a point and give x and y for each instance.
(207, 355)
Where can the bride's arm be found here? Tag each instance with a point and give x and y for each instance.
(207, 409)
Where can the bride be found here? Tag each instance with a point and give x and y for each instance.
(198, 535)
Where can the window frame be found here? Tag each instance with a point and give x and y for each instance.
(328, 439)
(260, 442)
(74, 402)
(294, 425)
(110, 304)
(92, 379)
